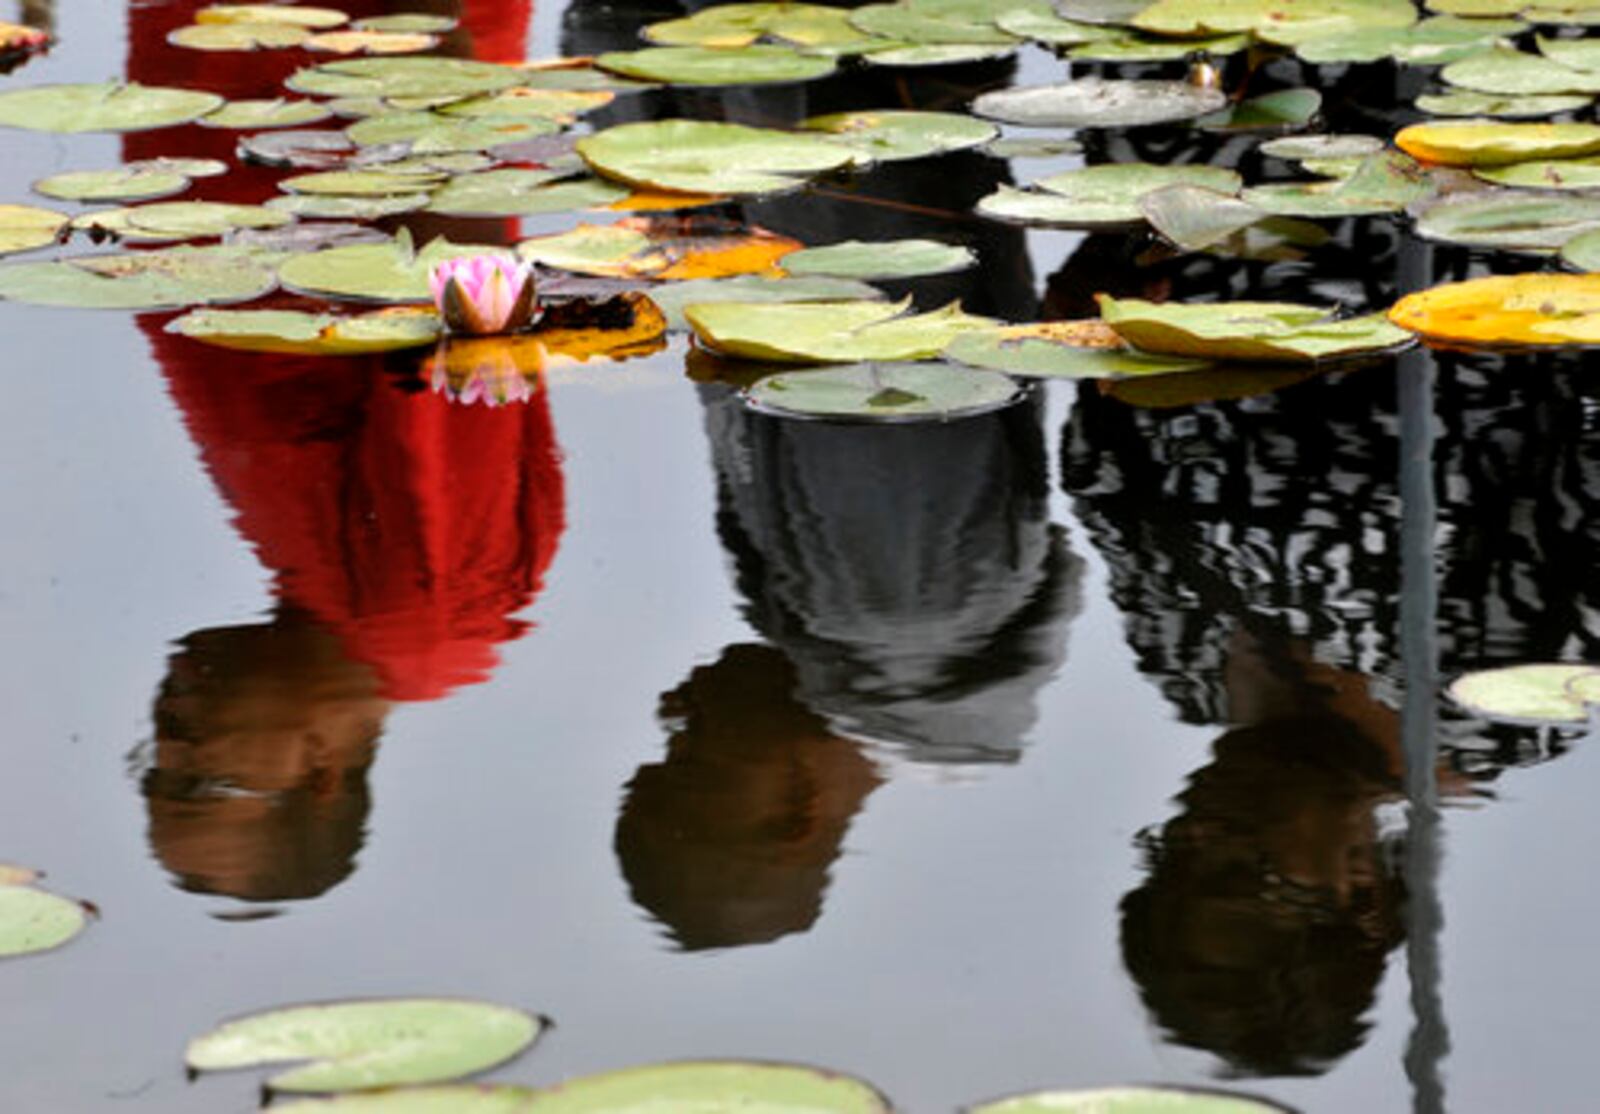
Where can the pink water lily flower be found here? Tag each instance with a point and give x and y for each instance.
(484, 294)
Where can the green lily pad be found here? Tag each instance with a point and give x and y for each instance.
(1284, 110)
(1524, 694)
(1045, 26)
(705, 1086)
(1433, 42)
(308, 149)
(936, 54)
(911, 23)
(24, 227)
(1383, 183)
(358, 1046)
(513, 191)
(344, 207)
(1134, 47)
(827, 332)
(1281, 21)
(108, 107)
(693, 65)
(1528, 107)
(1023, 351)
(518, 101)
(460, 1098)
(310, 334)
(1194, 217)
(880, 259)
(1131, 1100)
(673, 297)
(408, 76)
(34, 920)
(697, 156)
(1100, 196)
(1115, 12)
(884, 392)
(1511, 220)
(125, 183)
(377, 182)
(1583, 251)
(388, 272)
(1297, 148)
(1579, 54)
(179, 220)
(145, 280)
(890, 135)
(1094, 102)
(1278, 332)
(1545, 174)
(1511, 72)
(431, 133)
(238, 36)
(278, 113)
(407, 23)
(726, 26)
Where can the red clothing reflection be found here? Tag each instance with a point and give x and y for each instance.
(413, 528)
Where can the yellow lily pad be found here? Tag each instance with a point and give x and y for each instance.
(1495, 143)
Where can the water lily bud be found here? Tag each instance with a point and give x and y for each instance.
(484, 294)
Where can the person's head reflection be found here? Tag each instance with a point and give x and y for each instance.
(1272, 900)
(263, 736)
(729, 841)
(910, 573)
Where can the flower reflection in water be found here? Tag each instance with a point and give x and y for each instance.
(492, 370)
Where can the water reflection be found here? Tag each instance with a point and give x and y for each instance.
(910, 573)
(729, 841)
(263, 736)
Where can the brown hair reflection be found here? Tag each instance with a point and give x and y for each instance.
(729, 840)
(263, 738)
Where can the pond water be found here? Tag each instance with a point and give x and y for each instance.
(1058, 746)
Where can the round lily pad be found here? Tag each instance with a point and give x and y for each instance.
(880, 259)
(1528, 695)
(24, 227)
(693, 65)
(514, 192)
(337, 207)
(1511, 72)
(1132, 1100)
(1530, 106)
(1100, 196)
(144, 280)
(936, 54)
(668, 249)
(1275, 332)
(122, 184)
(404, 77)
(1133, 47)
(1510, 220)
(34, 920)
(356, 1046)
(888, 135)
(179, 220)
(107, 107)
(407, 23)
(884, 392)
(388, 272)
(1094, 102)
(1545, 174)
(311, 334)
(1300, 147)
(241, 115)
(748, 1087)
(551, 104)
(356, 41)
(238, 36)
(673, 297)
(376, 182)
(827, 332)
(431, 133)
(1043, 25)
(697, 156)
(1055, 350)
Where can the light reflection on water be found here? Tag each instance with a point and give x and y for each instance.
(661, 685)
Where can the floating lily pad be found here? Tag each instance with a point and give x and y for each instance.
(639, 247)
(357, 1046)
(362, 183)
(1282, 332)
(693, 65)
(1284, 110)
(337, 207)
(910, 23)
(1100, 11)
(1511, 72)
(827, 332)
(1492, 143)
(24, 227)
(1545, 174)
(1511, 220)
(748, 1087)
(431, 133)
(884, 392)
(1433, 42)
(179, 220)
(277, 113)
(515, 191)
(238, 36)
(108, 107)
(1134, 47)
(1583, 251)
(1281, 21)
(388, 272)
(34, 920)
(404, 77)
(1058, 350)
(813, 26)
(1528, 695)
(1383, 183)
(551, 104)
(297, 16)
(890, 135)
(672, 297)
(936, 54)
(356, 41)
(1100, 196)
(311, 334)
(1194, 217)
(458, 1099)
(1497, 311)
(1131, 1100)
(125, 183)
(1045, 26)
(306, 149)
(1300, 147)
(696, 156)
(408, 23)
(880, 259)
(1094, 102)
(144, 280)
(1467, 103)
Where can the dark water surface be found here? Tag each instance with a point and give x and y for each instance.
(1060, 746)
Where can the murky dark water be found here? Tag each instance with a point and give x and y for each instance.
(1059, 746)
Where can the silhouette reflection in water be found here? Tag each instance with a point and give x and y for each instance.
(263, 736)
(729, 841)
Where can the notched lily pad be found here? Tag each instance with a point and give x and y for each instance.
(145, 280)
(891, 392)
